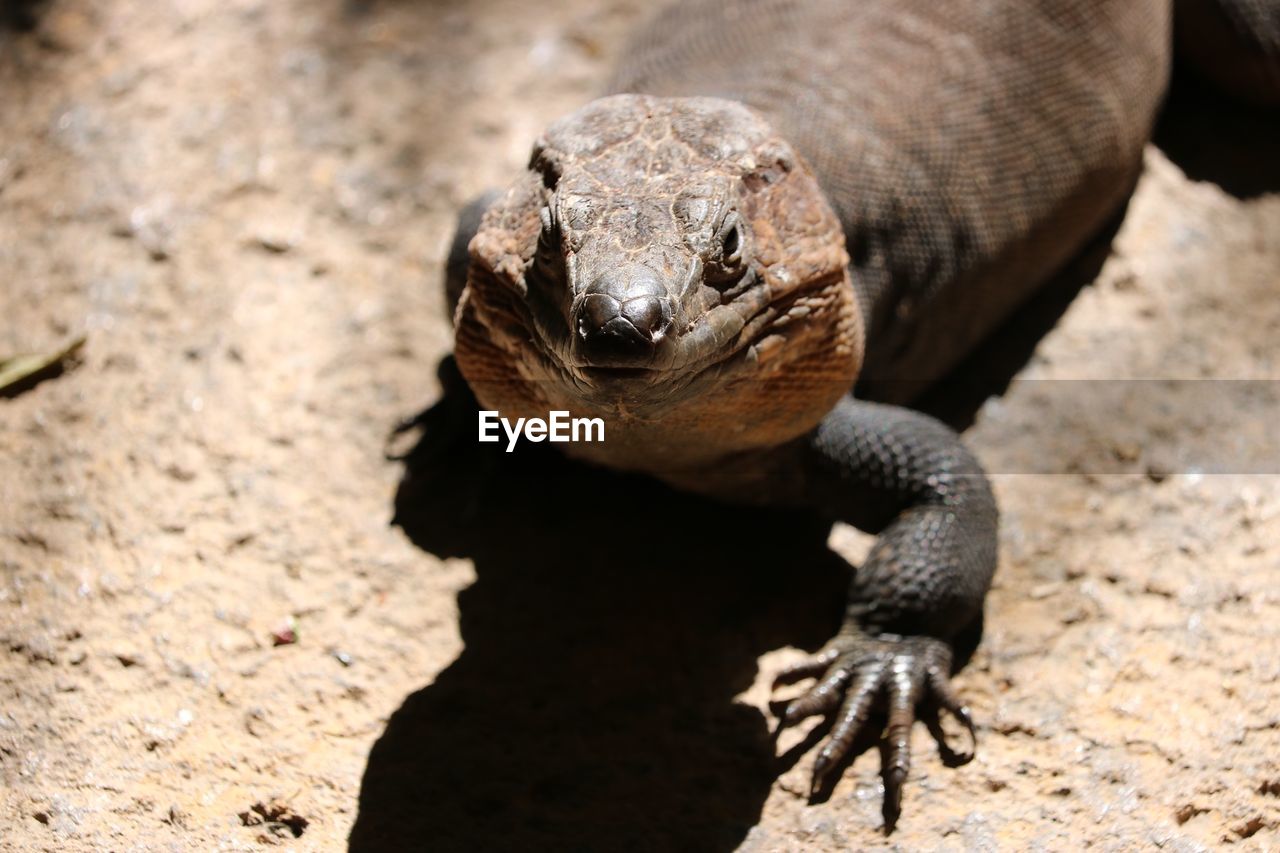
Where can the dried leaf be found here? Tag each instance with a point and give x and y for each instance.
(22, 372)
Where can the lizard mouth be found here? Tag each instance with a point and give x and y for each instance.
(721, 349)
(726, 346)
(614, 382)
(657, 385)
(615, 374)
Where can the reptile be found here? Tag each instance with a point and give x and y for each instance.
(779, 202)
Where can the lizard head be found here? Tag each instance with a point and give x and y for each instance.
(656, 254)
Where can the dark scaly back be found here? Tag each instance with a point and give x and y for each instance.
(970, 149)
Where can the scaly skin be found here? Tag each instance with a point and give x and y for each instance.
(677, 265)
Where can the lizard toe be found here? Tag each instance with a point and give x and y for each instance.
(858, 674)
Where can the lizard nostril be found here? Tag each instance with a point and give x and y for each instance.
(646, 315)
(598, 309)
(623, 316)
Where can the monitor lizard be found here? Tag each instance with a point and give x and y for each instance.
(782, 197)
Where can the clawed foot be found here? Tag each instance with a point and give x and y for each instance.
(855, 672)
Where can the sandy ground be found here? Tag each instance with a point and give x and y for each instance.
(244, 206)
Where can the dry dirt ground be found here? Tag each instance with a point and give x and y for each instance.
(244, 206)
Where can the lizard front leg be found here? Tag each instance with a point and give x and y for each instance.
(906, 476)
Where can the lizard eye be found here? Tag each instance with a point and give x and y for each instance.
(549, 235)
(548, 262)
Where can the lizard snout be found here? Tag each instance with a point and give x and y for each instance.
(624, 313)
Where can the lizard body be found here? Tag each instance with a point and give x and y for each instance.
(784, 198)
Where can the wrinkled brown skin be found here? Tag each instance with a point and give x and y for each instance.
(963, 152)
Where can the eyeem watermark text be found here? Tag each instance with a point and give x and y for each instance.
(559, 427)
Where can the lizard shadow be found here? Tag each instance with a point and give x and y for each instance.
(611, 623)
(1216, 139)
(21, 15)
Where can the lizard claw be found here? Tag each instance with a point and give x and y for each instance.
(856, 674)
